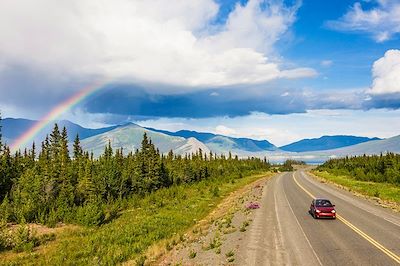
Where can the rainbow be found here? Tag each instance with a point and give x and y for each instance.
(58, 110)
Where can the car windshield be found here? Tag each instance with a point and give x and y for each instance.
(323, 203)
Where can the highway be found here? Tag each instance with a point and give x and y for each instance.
(284, 233)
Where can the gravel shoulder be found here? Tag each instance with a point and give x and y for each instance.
(218, 239)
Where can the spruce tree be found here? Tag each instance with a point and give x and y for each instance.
(64, 152)
(54, 141)
(6, 172)
(1, 136)
(33, 152)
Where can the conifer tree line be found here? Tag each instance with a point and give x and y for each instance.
(376, 168)
(55, 185)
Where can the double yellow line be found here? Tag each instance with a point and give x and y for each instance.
(357, 230)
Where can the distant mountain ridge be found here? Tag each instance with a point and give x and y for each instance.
(221, 143)
(371, 147)
(12, 128)
(129, 136)
(325, 143)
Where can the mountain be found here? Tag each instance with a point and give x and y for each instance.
(129, 138)
(371, 147)
(12, 128)
(223, 144)
(325, 143)
(192, 145)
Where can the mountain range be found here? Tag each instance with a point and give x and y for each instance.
(219, 143)
(325, 143)
(129, 136)
(12, 128)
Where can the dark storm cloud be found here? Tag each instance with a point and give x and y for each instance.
(134, 101)
(390, 101)
(33, 90)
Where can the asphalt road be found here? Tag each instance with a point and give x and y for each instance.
(284, 233)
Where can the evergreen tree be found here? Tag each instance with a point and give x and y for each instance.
(54, 141)
(64, 152)
(6, 172)
(1, 136)
(77, 148)
(54, 188)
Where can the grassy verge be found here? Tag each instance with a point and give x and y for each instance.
(387, 192)
(161, 215)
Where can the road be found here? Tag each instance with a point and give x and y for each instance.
(283, 233)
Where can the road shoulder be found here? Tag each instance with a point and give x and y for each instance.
(216, 239)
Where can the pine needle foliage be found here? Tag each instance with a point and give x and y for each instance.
(55, 185)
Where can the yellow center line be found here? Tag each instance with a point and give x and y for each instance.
(356, 229)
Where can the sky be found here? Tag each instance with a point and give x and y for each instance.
(280, 70)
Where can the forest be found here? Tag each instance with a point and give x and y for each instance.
(53, 184)
(375, 168)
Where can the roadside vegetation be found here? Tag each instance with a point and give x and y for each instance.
(124, 203)
(374, 176)
(287, 166)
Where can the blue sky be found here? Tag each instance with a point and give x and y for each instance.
(242, 68)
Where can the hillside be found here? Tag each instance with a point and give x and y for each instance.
(371, 147)
(224, 144)
(325, 143)
(129, 138)
(12, 128)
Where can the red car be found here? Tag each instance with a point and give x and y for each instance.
(322, 208)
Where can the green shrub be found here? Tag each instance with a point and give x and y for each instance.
(43, 239)
(52, 219)
(24, 239)
(5, 209)
(215, 191)
(192, 254)
(111, 212)
(141, 261)
(5, 241)
(230, 254)
(90, 214)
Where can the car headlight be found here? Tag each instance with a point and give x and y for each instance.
(333, 211)
(318, 211)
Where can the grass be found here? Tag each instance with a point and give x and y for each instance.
(192, 254)
(230, 254)
(384, 191)
(231, 259)
(215, 242)
(162, 215)
(244, 226)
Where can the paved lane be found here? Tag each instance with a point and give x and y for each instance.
(283, 233)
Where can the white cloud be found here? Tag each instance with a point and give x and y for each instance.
(256, 25)
(383, 21)
(386, 74)
(162, 41)
(326, 63)
(223, 130)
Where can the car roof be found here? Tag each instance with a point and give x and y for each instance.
(321, 199)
